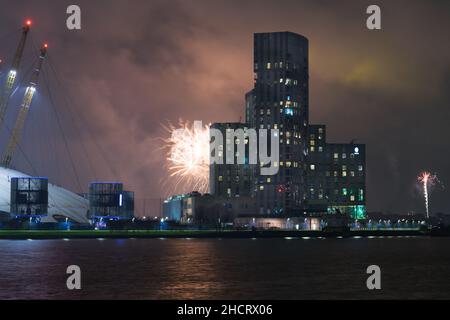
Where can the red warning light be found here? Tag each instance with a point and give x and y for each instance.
(28, 22)
(45, 45)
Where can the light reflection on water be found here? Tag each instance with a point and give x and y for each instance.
(225, 268)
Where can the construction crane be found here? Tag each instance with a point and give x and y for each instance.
(26, 102)
(12, 74)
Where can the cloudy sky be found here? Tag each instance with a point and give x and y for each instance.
(135, 65)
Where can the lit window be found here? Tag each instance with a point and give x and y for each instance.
(312, 167)
(360, 168)
(352, 198)
(320, 194)
(268, 65)
(220, 178)
(268, 180)
(361, 195)
(336, 155)
(344, 191)
(344, 156)
(344, 173)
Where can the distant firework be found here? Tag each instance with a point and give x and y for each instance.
(427, 179)
(188, 156)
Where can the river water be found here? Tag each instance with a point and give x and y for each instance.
(411, 268)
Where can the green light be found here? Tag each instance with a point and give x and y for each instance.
(354, 212)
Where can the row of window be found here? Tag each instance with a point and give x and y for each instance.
(351, 194)
(277, 65)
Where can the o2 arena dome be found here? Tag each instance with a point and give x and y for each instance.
(62, 204)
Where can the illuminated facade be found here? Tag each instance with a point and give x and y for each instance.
(29, 197)
(233, 179)
(108, 200)
(335, 175)
(315, 177)
(279, 100)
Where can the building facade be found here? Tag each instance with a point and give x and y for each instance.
(29, 197)
(108, 201)
(279, 100)
(315, 177)
(230, 179)
(205, 209)
(336, 176)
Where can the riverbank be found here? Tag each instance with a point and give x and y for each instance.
(124, 234)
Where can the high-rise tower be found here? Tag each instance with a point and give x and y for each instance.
(279, 100)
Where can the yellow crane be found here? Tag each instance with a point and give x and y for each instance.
(12, 74)
(26, 103)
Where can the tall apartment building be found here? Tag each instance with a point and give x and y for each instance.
(313, 175)
(279, 100)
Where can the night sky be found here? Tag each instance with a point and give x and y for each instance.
(138, 64)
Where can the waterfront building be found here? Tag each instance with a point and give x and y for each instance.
(279, 100)
(108, 201)
(335, 175)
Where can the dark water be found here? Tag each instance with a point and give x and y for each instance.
(226, 269)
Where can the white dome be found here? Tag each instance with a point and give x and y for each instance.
(61, 202)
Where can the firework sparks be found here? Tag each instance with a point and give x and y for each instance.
(428, 180)
(188, 156)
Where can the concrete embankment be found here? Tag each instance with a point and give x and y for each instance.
(116, 234)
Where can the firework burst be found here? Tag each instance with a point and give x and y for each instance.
(187, 155)
(428, 180)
